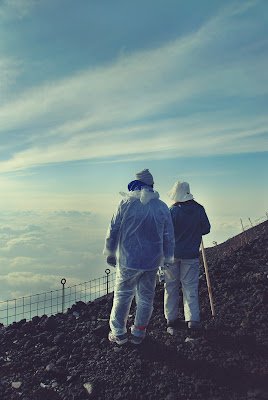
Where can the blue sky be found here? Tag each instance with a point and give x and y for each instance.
(92, 92)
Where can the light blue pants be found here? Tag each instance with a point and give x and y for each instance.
(185, 271)
(130, 283)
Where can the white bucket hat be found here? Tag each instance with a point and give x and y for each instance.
(180, 192)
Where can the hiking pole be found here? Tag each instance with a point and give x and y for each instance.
(208, 280)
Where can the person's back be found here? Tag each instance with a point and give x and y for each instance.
(142, 221)
(190, 223)
(142, 231)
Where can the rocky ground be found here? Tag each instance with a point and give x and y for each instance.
(68, 356)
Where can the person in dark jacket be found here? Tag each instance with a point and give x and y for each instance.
(190, 223)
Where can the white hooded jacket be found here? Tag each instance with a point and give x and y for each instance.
(141, 230)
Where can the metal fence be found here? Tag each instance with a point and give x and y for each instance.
(60, 300)
(53, 302)
(250, 230)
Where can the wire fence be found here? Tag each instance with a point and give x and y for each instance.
(53, 302)
(250, 230)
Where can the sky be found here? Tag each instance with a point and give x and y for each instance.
(92, 92)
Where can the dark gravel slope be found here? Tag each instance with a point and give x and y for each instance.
(69, 357)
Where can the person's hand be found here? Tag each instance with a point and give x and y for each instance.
(111, 260)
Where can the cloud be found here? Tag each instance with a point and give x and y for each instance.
(72, 214)
(181, 139)
(9, 231)
(19, 284)
(46, 248)
(9, 71)
(16, 9)
(114, 111)
(27, 279)
(239, 8)
(36, 261)
(222, 228)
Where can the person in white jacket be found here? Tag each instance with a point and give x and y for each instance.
(142, 233)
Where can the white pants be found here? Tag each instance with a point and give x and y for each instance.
(187, 272)
(130, 282)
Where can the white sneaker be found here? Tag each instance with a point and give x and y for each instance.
(120, 339)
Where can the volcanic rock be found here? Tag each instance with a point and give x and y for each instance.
(68, 356)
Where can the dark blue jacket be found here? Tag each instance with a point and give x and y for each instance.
(190, 222)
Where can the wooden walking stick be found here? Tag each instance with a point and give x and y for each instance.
(208, 280)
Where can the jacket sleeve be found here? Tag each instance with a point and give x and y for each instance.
(205, 225)
(112, 235)
(168, 240)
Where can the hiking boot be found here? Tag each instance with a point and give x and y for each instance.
(120, 339)
(176, 324)
(136, 339)
(194, 325)
(173, 324)
(172, 327)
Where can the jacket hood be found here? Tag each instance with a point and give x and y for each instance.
(144, 195)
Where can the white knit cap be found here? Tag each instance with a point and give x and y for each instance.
(180, 192)
(145, 176)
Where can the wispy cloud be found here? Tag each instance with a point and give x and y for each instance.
(18, 9)
(9, 71)
(116, 110)
(163, 139)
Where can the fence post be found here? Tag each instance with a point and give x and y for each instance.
(7, 312)
(250, 222)
(245, 235)
(230, 245)
(216, 244)
(63, 281)
(107, 271)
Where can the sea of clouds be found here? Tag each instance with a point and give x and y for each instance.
(37, 250)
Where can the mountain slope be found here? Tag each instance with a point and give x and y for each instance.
(68, 356)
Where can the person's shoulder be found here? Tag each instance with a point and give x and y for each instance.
(198, 205)
(123, 202)
(161, 204)
(174, 207)
(200, 208)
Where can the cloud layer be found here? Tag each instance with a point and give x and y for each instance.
(35, 258)
(64, 244)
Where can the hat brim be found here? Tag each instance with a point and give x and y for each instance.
(173, 195)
